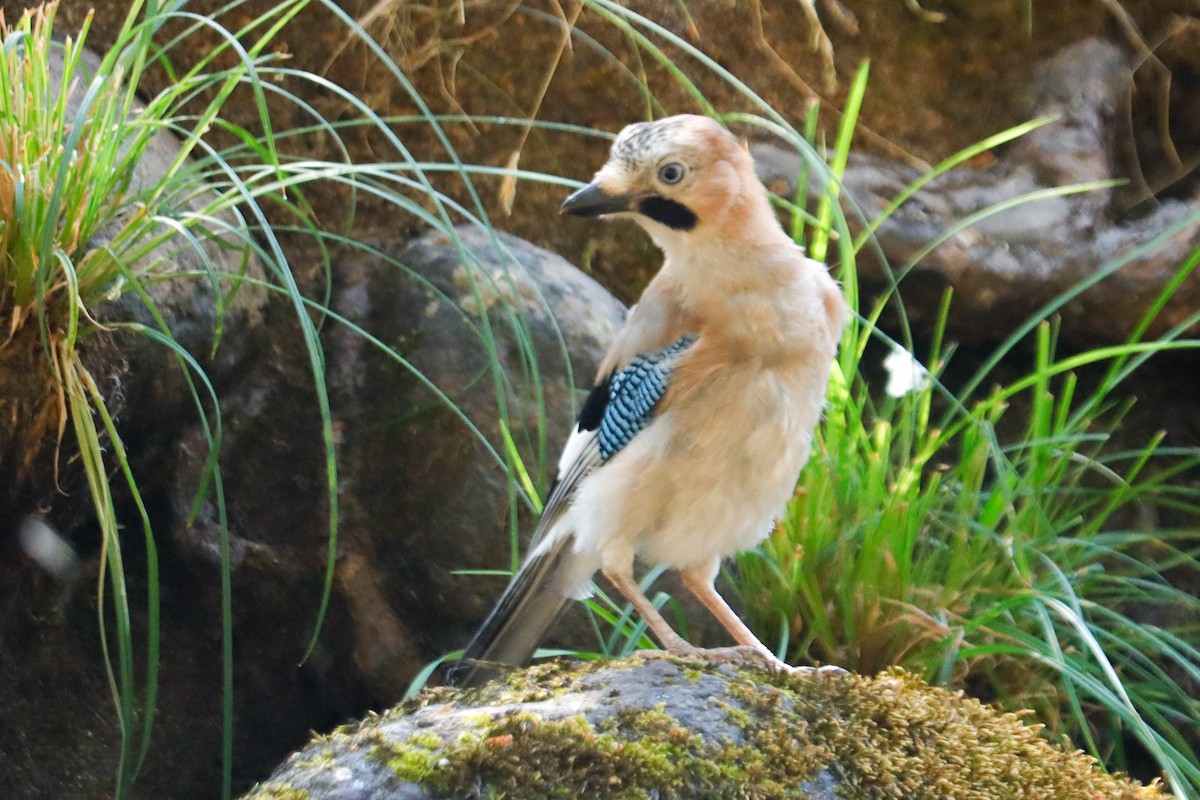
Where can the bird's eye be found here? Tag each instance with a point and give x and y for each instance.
(671, 173)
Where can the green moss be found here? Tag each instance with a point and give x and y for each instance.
(571, 758)
(908, 739)
(413, 761)
(634, 755)
(273, 791)
(323, 758)
(885, 736)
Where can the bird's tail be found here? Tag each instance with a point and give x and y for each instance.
(533, 601)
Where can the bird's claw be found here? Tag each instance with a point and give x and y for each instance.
(743, 654)
(824, 671)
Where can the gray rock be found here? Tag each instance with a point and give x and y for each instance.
(1007, 265)
(421, 495)
(667, 728)
(421, 498)
(426, 497)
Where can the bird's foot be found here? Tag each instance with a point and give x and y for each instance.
(824, 671)
(743, 654)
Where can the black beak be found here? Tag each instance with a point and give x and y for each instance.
(592, 201)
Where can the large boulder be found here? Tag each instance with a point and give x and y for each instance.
(661, 727)
(421, 497)
(488, 319)
(421, 491)
(1007, 265)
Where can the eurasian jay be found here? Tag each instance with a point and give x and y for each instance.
(702, 414)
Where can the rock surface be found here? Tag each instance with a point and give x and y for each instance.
(644, 728)
(421, 496)
(425, 496)
(1005, 266)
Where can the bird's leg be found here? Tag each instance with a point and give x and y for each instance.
(666, 635)
(699, 581)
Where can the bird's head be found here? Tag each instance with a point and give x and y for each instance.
(681, 174)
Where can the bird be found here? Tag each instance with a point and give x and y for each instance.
(703, 411)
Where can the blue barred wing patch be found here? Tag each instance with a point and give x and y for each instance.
(632, 394)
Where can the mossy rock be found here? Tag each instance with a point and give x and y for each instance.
(668, 728)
